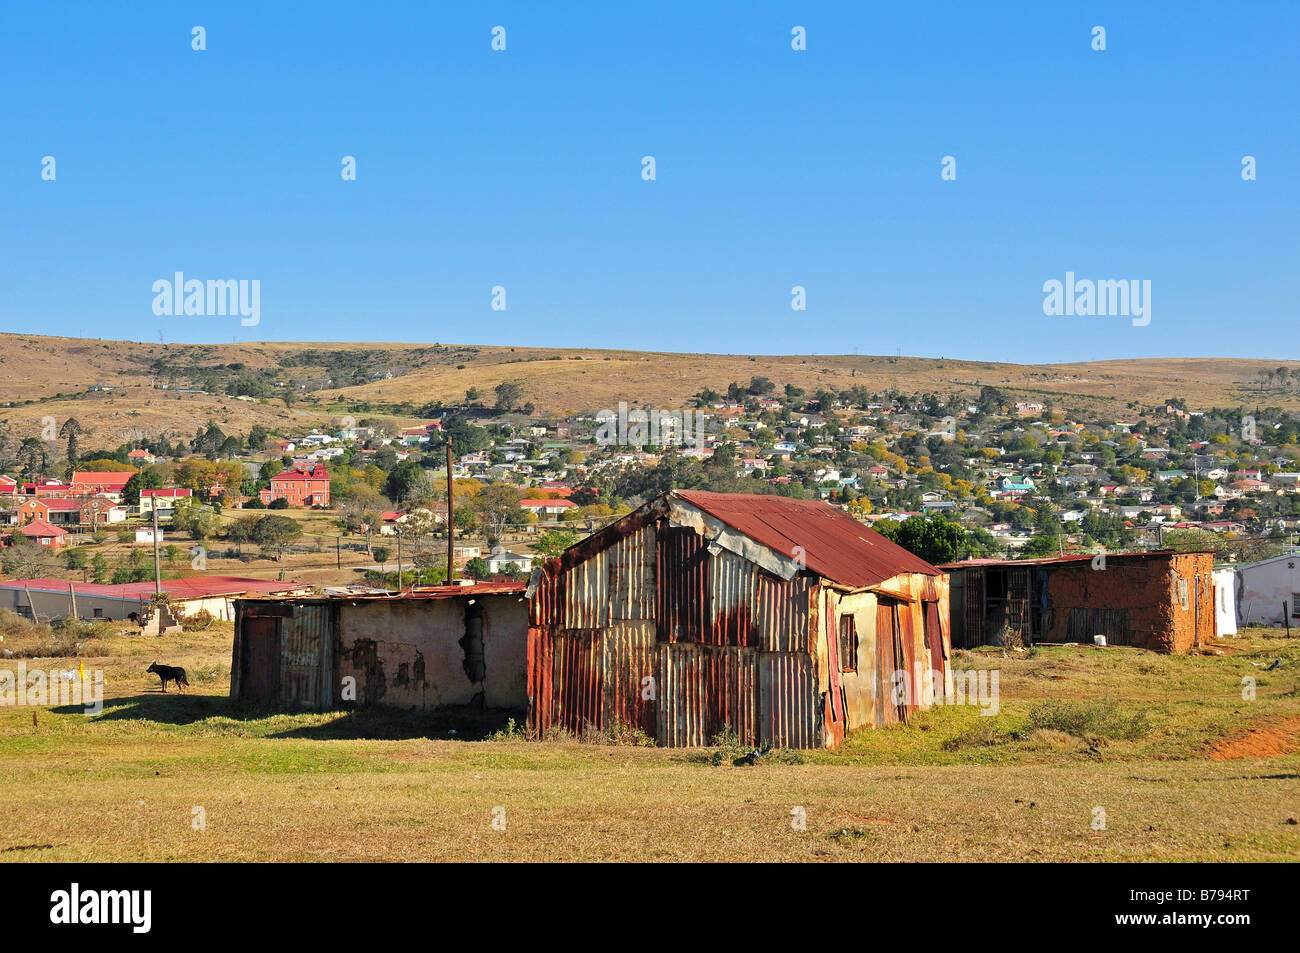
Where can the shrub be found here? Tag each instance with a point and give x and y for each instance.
(1102, 719)
(197, 622)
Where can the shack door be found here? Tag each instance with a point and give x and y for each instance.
(260, 660)
(890, 658)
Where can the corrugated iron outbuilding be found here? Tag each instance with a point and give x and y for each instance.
(785, 621)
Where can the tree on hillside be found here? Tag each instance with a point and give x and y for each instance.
(508, 395)
(32, 458)
(70, 431)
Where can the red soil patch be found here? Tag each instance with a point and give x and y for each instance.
(1270, 739)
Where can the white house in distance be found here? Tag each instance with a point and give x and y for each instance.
(164, 498)
(1267, 591)
(145, 535)
(501, 560)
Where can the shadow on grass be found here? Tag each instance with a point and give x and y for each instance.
(373, 723)
(451, 724)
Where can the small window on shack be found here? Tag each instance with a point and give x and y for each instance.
(848, 643)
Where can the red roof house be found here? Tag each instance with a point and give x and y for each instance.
(39, 531)
(305, 484)
(90, 483)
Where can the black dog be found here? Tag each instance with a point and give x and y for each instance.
(169, 673)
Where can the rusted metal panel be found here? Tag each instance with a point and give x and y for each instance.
(632, 576)
(789, 710)
(681, 695)
(303, 638)
(780, 613)
(541, 698)
(587, 593)
(1018, 603)
(889, 655)
(628, 658)
(682, 594)
(826, 540)
(259, 663)
(732, 589)
(731, 692)
(575, 679)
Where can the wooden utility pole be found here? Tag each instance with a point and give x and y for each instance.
(157, 569)
(398, 533)
(338, 551)
(451, 519)
(72, 593)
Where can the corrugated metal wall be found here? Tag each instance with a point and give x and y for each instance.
(306, 639)
(728, 644)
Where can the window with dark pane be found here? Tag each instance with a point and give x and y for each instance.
(848, 644)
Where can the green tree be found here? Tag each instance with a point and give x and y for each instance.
(552, 542)
(407, 481)
(144, 480)
(276, 534)
(933, 538)
(70, 431)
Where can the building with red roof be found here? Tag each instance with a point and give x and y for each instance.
(784, 621)
(552, 508)
(304, 484)
(50, 599)
(90, 483)
(46, 534)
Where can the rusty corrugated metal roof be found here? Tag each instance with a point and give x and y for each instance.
(835, 545)
(1070, 558)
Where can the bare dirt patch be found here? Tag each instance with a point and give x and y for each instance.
(1271, 739)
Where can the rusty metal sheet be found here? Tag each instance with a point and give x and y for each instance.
(681, 695)
(682, 595)
(628, 657)
(826, 540)
(587, 593)
(789, 709)
(304, 638)
(732, 590)
(575, 679)
(731, 692)
(259, 659)
(632, 576)
(780, 613)
(541, 699)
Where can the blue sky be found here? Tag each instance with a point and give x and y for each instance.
(775, 168)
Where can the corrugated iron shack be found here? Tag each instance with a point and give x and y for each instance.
(420, 649)
(1163, 601)
(782, 620)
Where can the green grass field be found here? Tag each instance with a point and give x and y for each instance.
(1183, 767)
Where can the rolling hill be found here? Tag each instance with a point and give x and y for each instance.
(118, 389)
